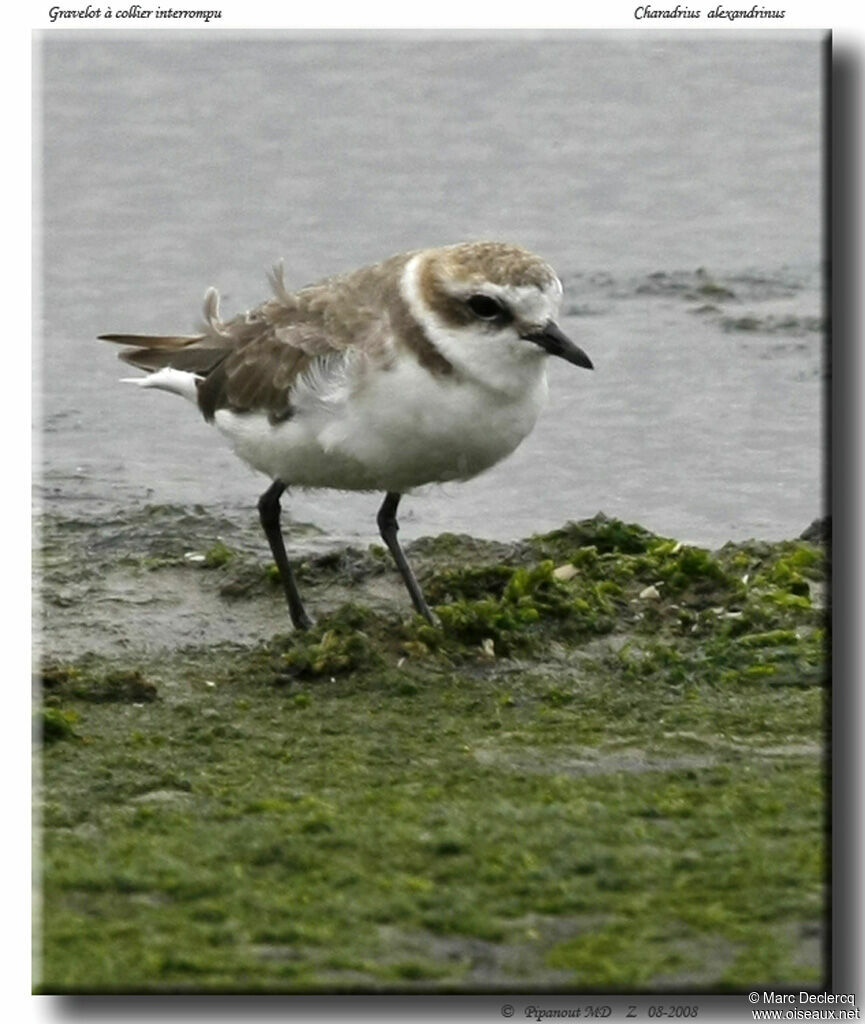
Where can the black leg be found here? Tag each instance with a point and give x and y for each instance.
(268, 511)
(387, 527)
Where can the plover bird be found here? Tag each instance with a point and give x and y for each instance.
(427, 367)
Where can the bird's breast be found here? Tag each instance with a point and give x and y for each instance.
(388, 428)
(416, 427)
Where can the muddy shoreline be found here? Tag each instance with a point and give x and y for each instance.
(603, 769)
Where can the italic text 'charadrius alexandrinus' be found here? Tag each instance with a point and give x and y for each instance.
(427, 367)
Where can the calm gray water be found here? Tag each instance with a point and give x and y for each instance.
(674, 181)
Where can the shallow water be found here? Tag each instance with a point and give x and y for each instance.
(673, 181)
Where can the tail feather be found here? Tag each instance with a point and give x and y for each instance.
(189, 353)
(194, 360)
(195, 353)
(176, 382)
(167, 341)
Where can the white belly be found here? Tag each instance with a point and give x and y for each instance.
(392, 430)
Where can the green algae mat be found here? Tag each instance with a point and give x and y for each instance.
(604, 769)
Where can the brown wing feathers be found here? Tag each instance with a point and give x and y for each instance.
(259, 375)
(250, 362)
(253, 360)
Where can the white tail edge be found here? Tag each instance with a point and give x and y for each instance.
(176, 382)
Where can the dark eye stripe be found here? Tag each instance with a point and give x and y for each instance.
(486, 308)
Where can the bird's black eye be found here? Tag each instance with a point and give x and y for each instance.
(486, 308)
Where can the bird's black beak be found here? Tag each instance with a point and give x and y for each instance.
(552, 340)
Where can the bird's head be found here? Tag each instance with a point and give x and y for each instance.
(490, 308)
